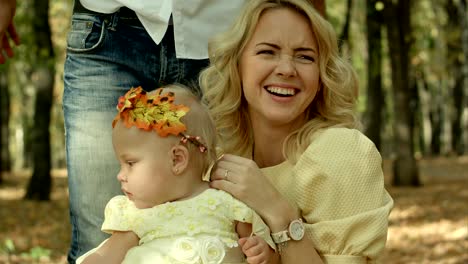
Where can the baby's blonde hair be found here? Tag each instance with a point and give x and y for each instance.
(333, 106)
(199, 123)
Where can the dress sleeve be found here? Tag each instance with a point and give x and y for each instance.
(117, 215)
(339, 186)
(242, 213)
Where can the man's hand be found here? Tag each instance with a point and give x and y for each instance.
(7, 29)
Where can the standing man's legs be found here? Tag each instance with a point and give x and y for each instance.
(106, 56)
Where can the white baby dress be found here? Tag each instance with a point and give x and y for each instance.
(197, 230)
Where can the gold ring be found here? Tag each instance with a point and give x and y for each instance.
(226, 174)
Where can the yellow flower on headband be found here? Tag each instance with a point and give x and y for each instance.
(151, 111)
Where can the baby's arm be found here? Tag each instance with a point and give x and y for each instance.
(114, 249)
(255, 248)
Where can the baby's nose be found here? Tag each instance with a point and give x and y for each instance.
(121, 176)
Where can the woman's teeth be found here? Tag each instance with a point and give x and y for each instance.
(281, 91)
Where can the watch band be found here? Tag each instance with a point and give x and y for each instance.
(280, 237)
(296, 226)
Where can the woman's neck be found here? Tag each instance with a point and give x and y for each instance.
(268, 147)
(269, 139)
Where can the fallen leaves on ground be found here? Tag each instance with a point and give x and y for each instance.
(33, 227)
(428, 224)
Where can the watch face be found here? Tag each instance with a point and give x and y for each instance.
(296, 230)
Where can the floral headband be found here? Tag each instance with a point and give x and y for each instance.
(155, 112)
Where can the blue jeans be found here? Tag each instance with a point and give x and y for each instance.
(105, 57)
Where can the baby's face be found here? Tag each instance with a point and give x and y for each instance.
(145, 165)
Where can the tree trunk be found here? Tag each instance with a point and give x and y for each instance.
(344, 36)
(425, 125)
(457, 129)
(455, 71)
(437, 121)
(320, 6)
(5, 163)
(375, 95)
(462, 11)
(40, 184)
(397, 14)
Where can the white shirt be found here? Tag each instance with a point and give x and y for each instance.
(195, 21)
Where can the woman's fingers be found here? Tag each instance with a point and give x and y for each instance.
(243, 179)
(226, 170)
(226, 186)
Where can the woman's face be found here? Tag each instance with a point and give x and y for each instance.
(279, 69)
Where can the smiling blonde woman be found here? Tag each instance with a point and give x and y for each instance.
(284, 102)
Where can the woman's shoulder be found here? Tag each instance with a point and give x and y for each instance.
(335, 145)
(339, 135)
(340, 138)
(338, 157)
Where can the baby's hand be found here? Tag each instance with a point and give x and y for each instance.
(256, 250)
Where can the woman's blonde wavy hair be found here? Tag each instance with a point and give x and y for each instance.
(333, 106)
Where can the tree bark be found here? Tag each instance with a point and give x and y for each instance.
(375, 96)
(455, 48)
(40, 184)
(344, 36)
(425, 126)
(397, 16)
(437, 121)
(320, 6)
(462, 11)
(5, 164)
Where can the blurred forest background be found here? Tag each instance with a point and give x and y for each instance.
(412, 61)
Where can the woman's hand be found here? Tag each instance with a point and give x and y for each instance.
(242, 178)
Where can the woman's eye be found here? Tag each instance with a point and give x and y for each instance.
(306, 58)
(265, 52)
(130, 163)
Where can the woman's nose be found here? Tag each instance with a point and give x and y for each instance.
(286, 67)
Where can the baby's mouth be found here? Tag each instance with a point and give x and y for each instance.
(128, 194)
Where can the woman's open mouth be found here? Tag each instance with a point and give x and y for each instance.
(280, 91)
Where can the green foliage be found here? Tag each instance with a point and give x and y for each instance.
(432, 57)
(35, 253)
(8, 247)
(21, 84)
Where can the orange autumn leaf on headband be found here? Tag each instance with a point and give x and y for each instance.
(127, 102)
(132, 95)
(151, 112)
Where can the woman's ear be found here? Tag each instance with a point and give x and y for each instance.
(180, 159)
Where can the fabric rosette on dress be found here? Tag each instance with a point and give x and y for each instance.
(209, 250)
(197, 230)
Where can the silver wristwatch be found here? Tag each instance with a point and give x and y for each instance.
(294, 232)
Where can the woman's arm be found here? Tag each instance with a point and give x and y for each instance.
(302, 251)
(338, 185)
(245, 181)
(113, 251)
